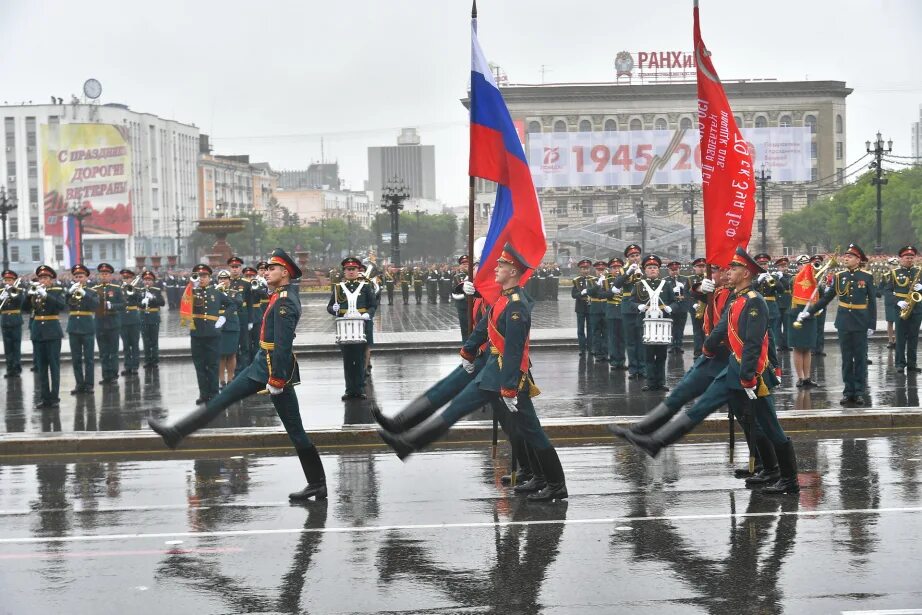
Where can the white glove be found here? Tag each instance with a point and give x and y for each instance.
(778, 275)
(108, 305)
(870, 332)
(73, 287)
(335, 307)
(511, 404)
(615, 290)
(679, 286)
(762, 277)
(642, 307)
(220, 322)
(149, 296)
(802, 316)
(902, 304)
(631, 269)
(250, 327)
(274, 390)
(751, 392)
(667, 309)
(467, 365)
(917, 286)
(366, 316)
(707, 286)
(196, 283)
(584, 292)
(601, 279)
(4, 295)
(468, 287)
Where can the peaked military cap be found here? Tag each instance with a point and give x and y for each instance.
(854, 250)
(202, 268)
(615, 262)
(584, 263)
(513, 257)
(105, 268)
(700, 261)
(906, 250)
(742, 259)
(9, 273)
(235, 260)
(148, 275)
(351, 261)
(652, 259)
(80, 268)
(45, 270)
(632, 249)
(280, 257)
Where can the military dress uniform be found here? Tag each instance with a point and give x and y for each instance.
(108, 324)
(445, 279)
(459, 298)
(554, 277)
(151, 303)
(389, 286)
(581, 307)
(353, 354)
(81, 332)
(11, 323)
(904, 282)
(697, 305)
(785, 298)
(419, 279)
(233, 323)
(856, 319)
(681, 288)
(598, 338)
(260, 297)
(654, 355)
(274, 369)
(406, 280)
(432, 285)
(611, 296)
(45, 330)
(630, 318)
(541, 283)
(205, 335)
(244, 314)
(131, 324)
(769, 285)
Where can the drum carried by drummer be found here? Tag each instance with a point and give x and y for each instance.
(353, 302)
(654, 298)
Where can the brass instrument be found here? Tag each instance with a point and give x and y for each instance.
(700, 306)
(914, 297)
(257, 283)
(33, 288)
(130, 288)
(819, 272)
(76, 291)
(194, 277)
(12, 290)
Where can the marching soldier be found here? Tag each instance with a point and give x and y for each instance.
(244, 313)
(82, 303)
(598, 339)
(108, 322)
(460, 299)
(784, 303)
(655, 356)
(698, 303)
(47, 302)
(353, 354)
(432, 284)
(274, 370)
(418, 279)
(630, 317)
(12, 298)
(580, 293)
(680, 288)
(406, 280)
(151, 302)
(856, 319)
(205, 331)
(131, 323)
(905, 281)
(389, 275)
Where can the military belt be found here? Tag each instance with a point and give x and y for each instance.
(595, 300)
(10, 312)
(80, 313)
(49, 317)
(771, 298)
(131, 308)
(901, 295)
(798, 302)
(853, 306)
(152, 310)
(267, 345)
(204, 317)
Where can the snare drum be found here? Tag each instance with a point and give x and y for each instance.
(657, 331)
(350, 330)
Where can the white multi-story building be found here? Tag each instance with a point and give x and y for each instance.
(135, 170)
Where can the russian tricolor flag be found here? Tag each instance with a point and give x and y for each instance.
(72, 239)
(497, 155)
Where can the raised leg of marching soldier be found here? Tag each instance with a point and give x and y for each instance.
(907, 341)
(83, 362)
(615, 334)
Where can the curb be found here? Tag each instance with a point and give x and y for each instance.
(14, 447)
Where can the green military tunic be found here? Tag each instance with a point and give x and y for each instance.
(131, 329)
(46, 334)
(108, 325)
(11, 326)
(81, 332)
(150, 324)
(901, 281)
(205, 338)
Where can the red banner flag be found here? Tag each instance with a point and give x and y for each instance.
(804, 288)
(727, 176)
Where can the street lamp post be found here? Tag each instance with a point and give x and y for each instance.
(80, 212)
(7, 204)
(394, 193)
(764, 178)
(878, 150)
(178, 220)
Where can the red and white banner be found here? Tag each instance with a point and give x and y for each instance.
(728, 180)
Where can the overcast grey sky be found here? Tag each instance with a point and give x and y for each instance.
(269, 78)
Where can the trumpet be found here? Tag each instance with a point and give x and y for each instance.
(257, 283)
(817, 275)
(76, 291)
(33, 288)
(130, 288)
(11, 290)
(194, 277)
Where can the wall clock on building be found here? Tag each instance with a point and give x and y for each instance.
(92, 89)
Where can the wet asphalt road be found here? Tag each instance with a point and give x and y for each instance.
(439, 535)
(571, 386)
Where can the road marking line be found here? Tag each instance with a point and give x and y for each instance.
(886, 612)
(450, 526)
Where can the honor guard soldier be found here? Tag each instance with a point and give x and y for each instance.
(406, 280)
(655, 356)
(244, 312)
(131, 322)
(459, 298)
(906, 285)
(82, 303)
(46, 302)
(205, 330)
(274, 370)
(365, 304)
(151, 302)
(230, 332)
(598, 339)
(390, 273)
(580, 293)
(12, 298)
(418, 280)
(698, 303)
(681, 289)
(630, 318)
(108, 321)
(768, 284)
(784, 302)
(856, 319)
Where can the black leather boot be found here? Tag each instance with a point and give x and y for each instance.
(651, 421)
(787, 461)
(537, 482)
(418, 411)
(668, 434)
(523, 471)
(769, 472)
(316, 477)
(188, 424)
(416, 438)
(556, 487)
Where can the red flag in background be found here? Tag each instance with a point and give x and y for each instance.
(804, 288)
(185, 308)
(727, 176)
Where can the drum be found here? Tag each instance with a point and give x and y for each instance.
(657, 331)
(350, 330)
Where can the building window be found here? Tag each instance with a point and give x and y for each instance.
(14, 253)
(33, 224)
(36, 254)
(785, 121)
(813, 174)
(560, 126)
(88, 252)
(587, 207)
(534, 127)
(662, 205)
(811, 198)
(787, 202)
(11, 167)
(813, 150)
(738, 120)
(33, 168)
(562, 209)
(14, 224)
(59, 253)
(636, 124)
(840, 176)
(685, 123)
(585, 126)
(33, 195)
(612, 207)
(611, 125)
(810, 122)
(102, 251)
(839, 125)
(840, 150)
(660, 124)
(761, 122)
